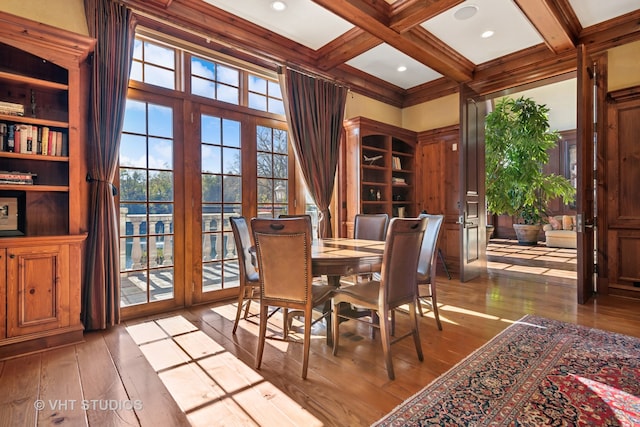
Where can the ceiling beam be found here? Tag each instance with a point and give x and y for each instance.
(341, 49)
(547, 18)
(427, 54)
(408, 14)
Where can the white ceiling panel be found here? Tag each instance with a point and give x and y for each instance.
(512, 31)
(591, 12)
(383, 61)
(302, 21)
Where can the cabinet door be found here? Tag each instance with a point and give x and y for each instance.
(37, 289)
(3, 294)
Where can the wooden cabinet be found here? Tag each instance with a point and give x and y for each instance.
(379, 170)
(45, 73)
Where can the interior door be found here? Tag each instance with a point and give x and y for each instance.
(472, 216)
(591, 92)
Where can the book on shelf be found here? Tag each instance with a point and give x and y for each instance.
(398, 180)
(31, 139)
(11, 108)
(396, 162)
(17, 177)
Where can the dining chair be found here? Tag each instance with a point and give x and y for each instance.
(249, 277)
(426, 278)
(370, 226)
(283, 249)
(307, 216)
(396, 287)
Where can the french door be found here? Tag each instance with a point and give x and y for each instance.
(150, 206)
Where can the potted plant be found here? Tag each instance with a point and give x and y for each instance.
(518, 138)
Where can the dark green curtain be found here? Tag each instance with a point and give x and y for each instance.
(113, 25)
(315, 112)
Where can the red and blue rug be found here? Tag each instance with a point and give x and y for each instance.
(537, 372)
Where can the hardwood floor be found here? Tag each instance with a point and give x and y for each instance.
(186, 368)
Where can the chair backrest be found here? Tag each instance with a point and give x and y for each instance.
(370, 226)
(242, 239)
(283, 249)
(400, 260)
(306, 216)
(429, 248)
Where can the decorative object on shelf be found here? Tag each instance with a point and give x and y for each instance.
(517, 140)
(12, 213)
(33, 103)
(372, 159)
(401, 211)
(378, 195)
(372, 194)
(398, 198)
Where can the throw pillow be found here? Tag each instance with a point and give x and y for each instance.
(555, 224)
(567, 222)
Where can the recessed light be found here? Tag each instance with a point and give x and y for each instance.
(487, 34)
(465, 12)
(402, 68)
(278, 6)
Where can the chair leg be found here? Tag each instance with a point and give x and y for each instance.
(262, 335)
(335, 309)
(326, 311)
(241, 293)
(307, 343)
(386, 342)
(434, 304)
(416, 333)
(418, 303)
(285, 322)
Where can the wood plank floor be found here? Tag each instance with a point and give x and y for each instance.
(186, 368)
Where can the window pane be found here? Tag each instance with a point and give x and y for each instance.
(274, 90)
(276, 106)
(211, 159)
(231, 133)
(203, 87)
(203, 68)
(159, 55)
(160, 153)
(133, 184)
(135, 117)
(210, 129)
(264, 165)
(264, 142)
(160, 186)
(259, 102)
(265, 190)
(160, 121)
(136, 71)
(137, 49)
(280, 166)
(227, 94)
(257, 84)
(280, 141)
(232, 189)
(159, 76)
(227, 75)
(231, 161)
(211, 188)
(133, 150)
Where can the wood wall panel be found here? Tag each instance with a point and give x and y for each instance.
(622, 225)
(438, 186)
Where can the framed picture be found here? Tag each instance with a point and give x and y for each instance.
(12, 213)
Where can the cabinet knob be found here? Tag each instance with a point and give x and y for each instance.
(12, 256)
(32, 291)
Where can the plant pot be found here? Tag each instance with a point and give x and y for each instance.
(527, 234)
(490, 229)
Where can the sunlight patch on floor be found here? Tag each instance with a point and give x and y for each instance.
(210, 384)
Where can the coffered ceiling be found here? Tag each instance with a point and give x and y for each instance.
(438, 43)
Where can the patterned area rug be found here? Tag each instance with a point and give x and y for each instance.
(537, 372)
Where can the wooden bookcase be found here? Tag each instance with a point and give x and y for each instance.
(379, 172)
(41, 246)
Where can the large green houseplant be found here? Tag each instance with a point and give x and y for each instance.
(518, 139)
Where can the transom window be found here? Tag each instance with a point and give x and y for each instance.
(154, 64)
(215, 81)
(265, 95)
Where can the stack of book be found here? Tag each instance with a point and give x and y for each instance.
(31, 139)
(15, 177)
(398, 180)
(11, 109)
(396, 162)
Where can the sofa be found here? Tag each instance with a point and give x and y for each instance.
(561, 232)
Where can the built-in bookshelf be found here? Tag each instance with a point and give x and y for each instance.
(44, 197)
(380, 169)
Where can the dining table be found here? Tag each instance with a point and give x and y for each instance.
(336, 257)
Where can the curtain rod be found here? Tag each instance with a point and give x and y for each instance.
(313, 75)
